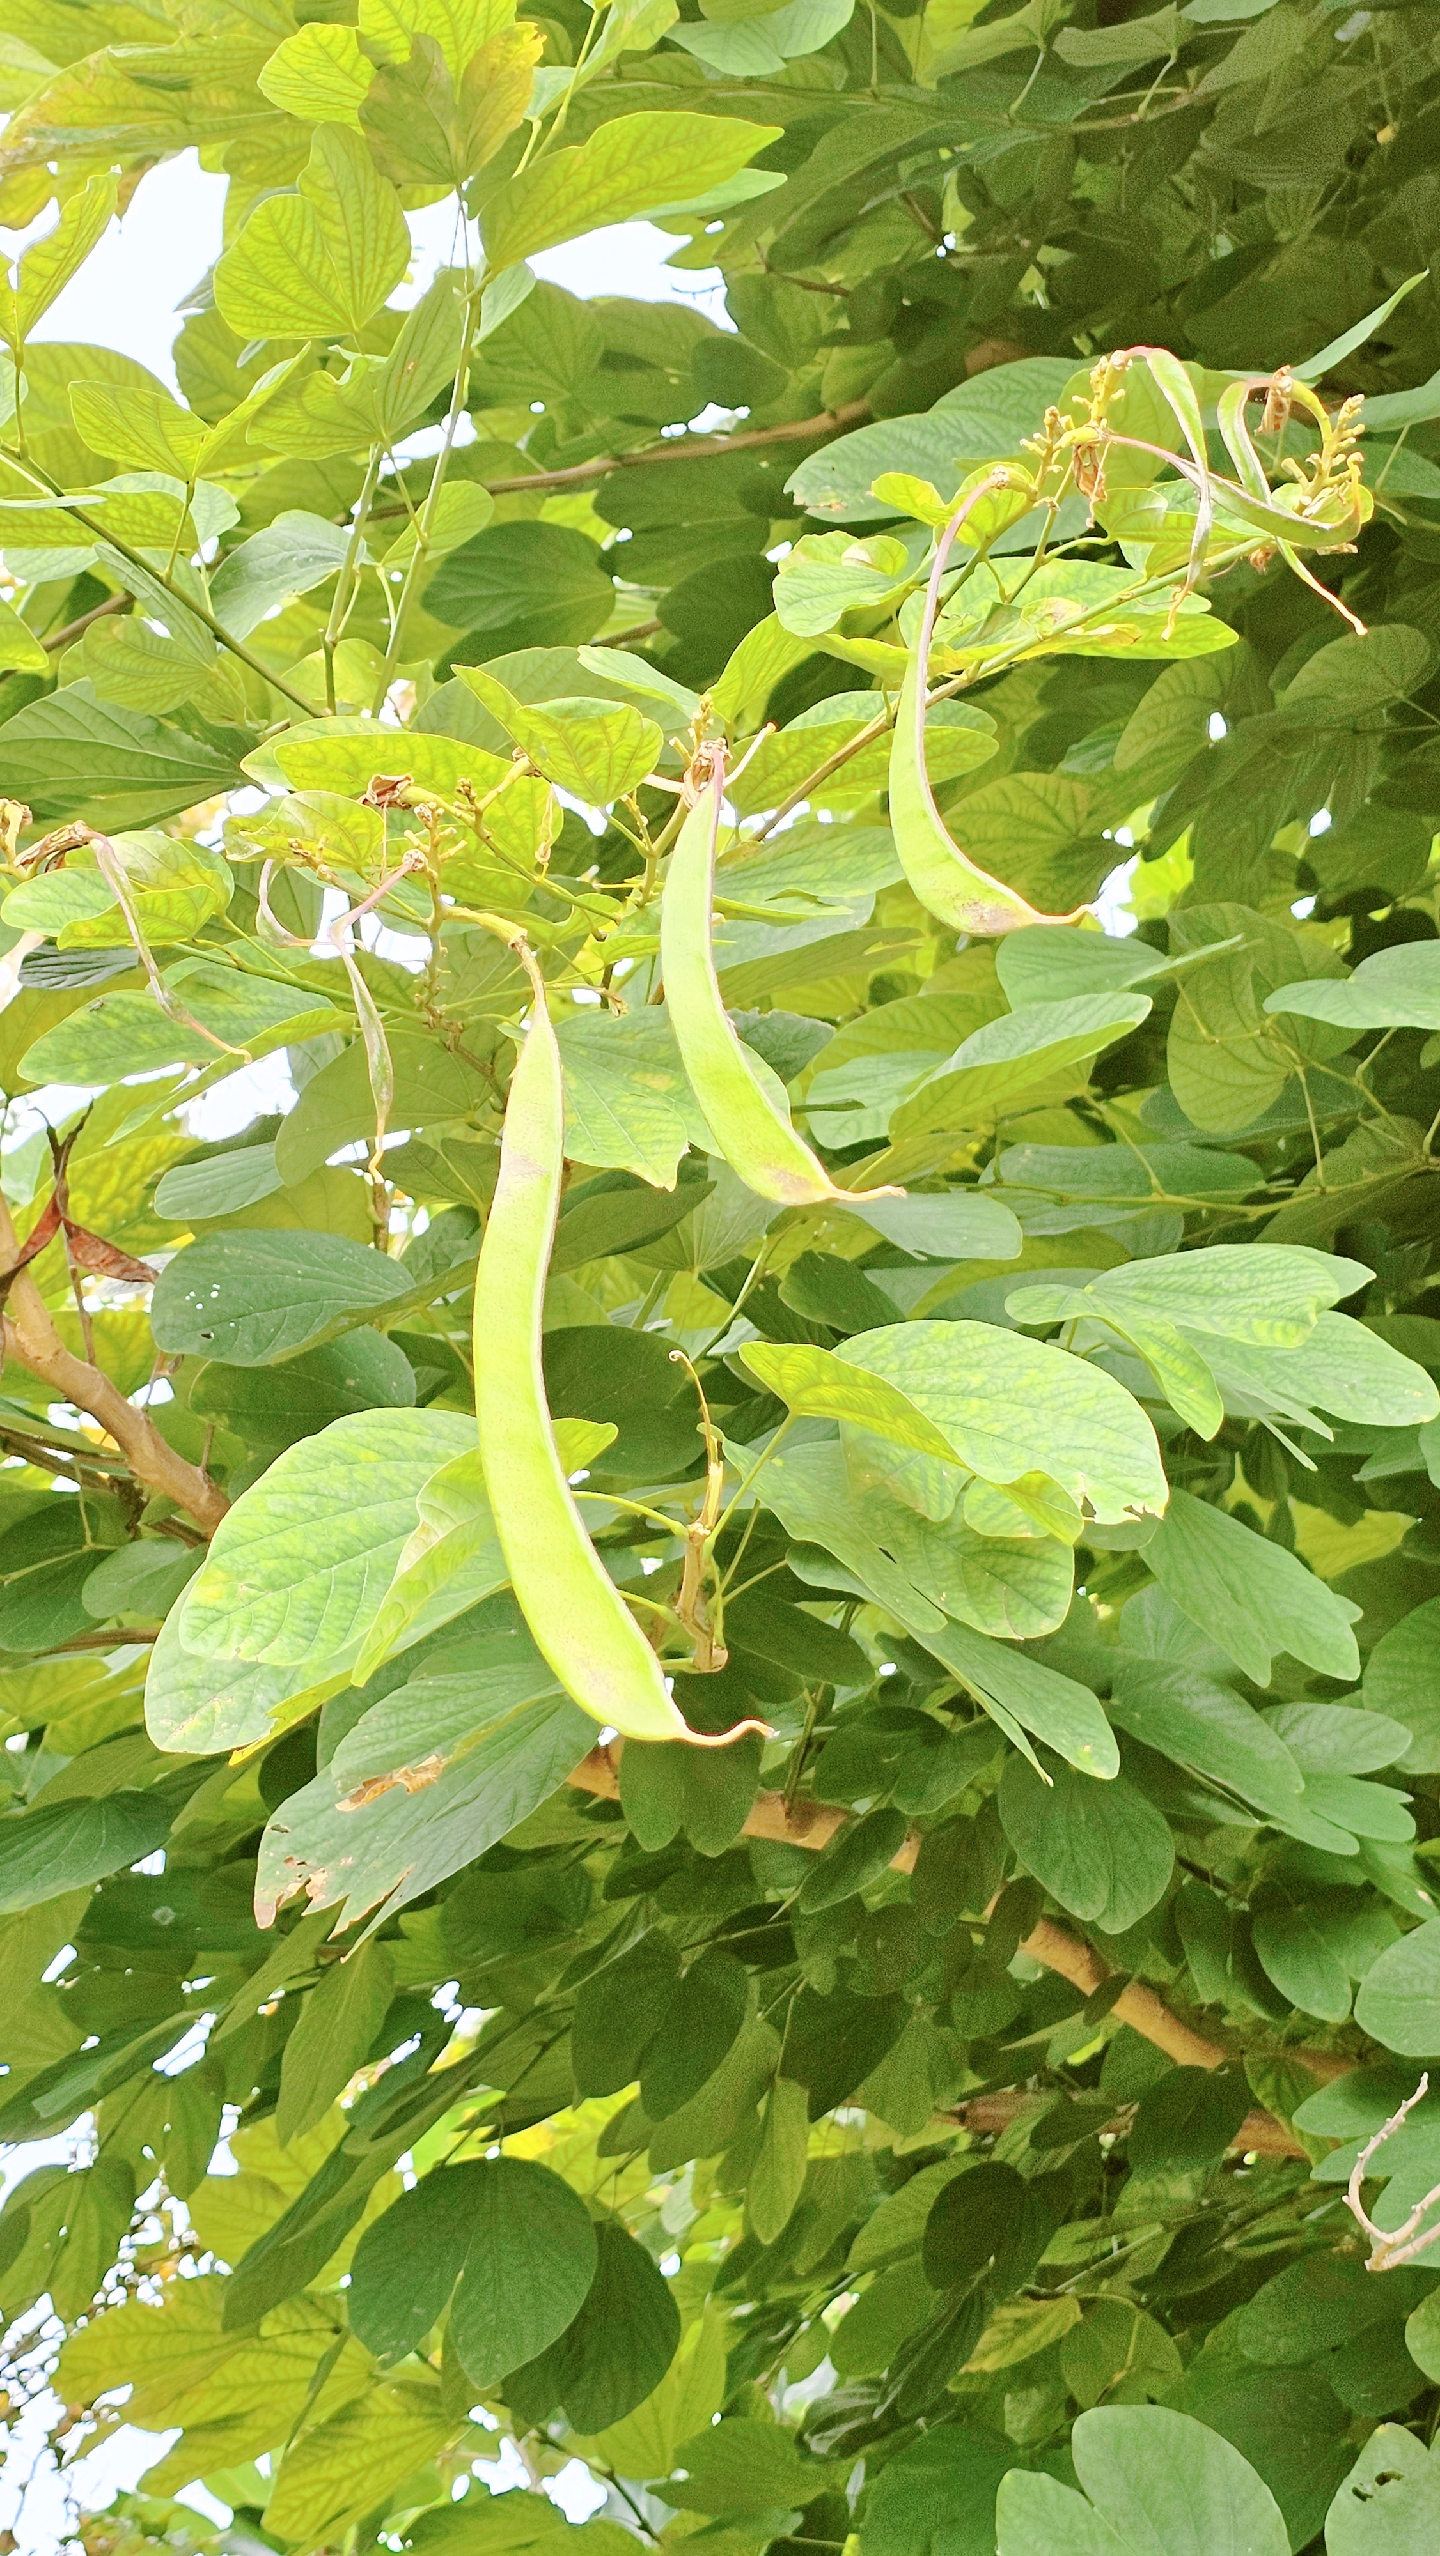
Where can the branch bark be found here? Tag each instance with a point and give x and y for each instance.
(813, 1824)
(801, 430)
(29, 1334)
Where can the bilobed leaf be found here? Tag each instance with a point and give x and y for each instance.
(956, 1224)
(503, 1746)
(1102, 1850)
(125, 1033)
(319, 262)
(628, 1106)
(1260, 1293)
(139, 429)
(59, 1846)
(292, 554)
(600, 750)
(450, 1560)
(20, 650)
(1250, 1596)
(195, 1704)
(298, 1568)
(1010, 1407)
(530, 2261)
(1012, 1588)
(320, 75)
(343, 2467)
(1398, 2002)
(1039, 1046)
(778, 2175)
(637, 164)
(1396, 988)
(1400, 1681)
(618, 2347)
(47, 266)
(1037, 2516)
(816, 1385)
(1155, 2473)
(1389, 2504)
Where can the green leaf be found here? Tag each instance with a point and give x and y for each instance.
(338, 2022)
(986, 419)
(20, 650)
(297, 1570)
(921, 1571)
(292, 554)
(543, 585)
(1188, 1717)
(139, 429)
(531, 2259)
(816, 1385)
(61, 1845)
(48, 265)
(636, 164)
(1101, 1850)
(1250, 1596)
(1256, 1292)
(74, 754)
(342, 2468)
(319, 75)
(616, 2351)
(777, 2177)
(319, 262)
(1010, 1408)
(744, 2466)
(1396, 988)
(1389, 2504)
(1037, 2513)
(1298, 1951)
(628, 1105)
(1398, 2002)
(194, 1704)
(452, 1558)
(957, 1224)
(1400, 1682)
(599, 750)
(120, 1034)
(503, 1752)
(1028, 1055)
(253, 1298)
(1154, 2479)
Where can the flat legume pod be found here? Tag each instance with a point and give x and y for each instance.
(579, 1622)
(943, 876)
(755, 1138)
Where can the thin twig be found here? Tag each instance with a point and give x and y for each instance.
(1390, 2247)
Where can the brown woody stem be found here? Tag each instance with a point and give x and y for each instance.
(813, 1824)
(30, 1335)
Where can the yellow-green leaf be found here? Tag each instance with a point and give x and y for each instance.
(319, 75)
(346, 2466)
(318, 263)
(637, 164)
(45, 270)
(20, 650)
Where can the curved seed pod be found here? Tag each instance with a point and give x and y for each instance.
(579, 1622)
(756, 1139)
(944, 878)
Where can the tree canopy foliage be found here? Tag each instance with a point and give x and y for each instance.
(719, 1656)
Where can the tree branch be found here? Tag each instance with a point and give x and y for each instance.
(801, 430)
(813, 1824)
(1390, 2247)
(30, 1335)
